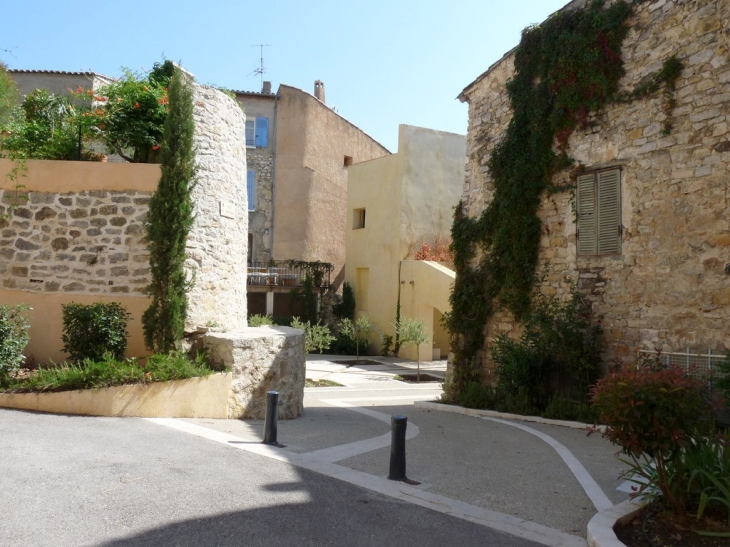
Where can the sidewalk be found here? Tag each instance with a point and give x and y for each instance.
(541, 482)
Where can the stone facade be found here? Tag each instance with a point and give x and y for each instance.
(668, 287)
(217, 242)
(89, 242)
(260, 160)
(261, 359)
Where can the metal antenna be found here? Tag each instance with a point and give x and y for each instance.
(260, 70)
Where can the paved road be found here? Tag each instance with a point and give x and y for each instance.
(72, 481)
(101, 481)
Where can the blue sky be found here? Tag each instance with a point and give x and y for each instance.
(383, 62)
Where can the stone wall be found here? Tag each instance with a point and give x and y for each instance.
(218, 240)
(668, 287)
(261, 359)
(89, 242)
(260, 219)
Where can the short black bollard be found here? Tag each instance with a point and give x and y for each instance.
(398, 426)
(272, 404)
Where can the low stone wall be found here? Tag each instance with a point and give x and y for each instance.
(261, 359)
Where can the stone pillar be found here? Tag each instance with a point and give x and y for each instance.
(217, 244)
(270, 303)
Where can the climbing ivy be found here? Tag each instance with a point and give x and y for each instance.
(565, 69)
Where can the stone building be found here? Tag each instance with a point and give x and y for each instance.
(660, 276)
(298, 151)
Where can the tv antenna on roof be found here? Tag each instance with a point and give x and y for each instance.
(260, 70)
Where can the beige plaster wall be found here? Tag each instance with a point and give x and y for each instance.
(310, 194)
(57, 82)
(668, 286)
(204, 397)
(46, 322)
(425, 296)
(408, 198)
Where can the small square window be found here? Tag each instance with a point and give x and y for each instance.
(358, 218)
(348, 161)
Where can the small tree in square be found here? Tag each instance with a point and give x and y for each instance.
(413, 331)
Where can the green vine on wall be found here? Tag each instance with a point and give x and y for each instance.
(565, 69)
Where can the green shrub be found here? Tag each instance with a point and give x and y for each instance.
(317, 338)
(346, 308)
(94, 330)
(654, 413)
(477, 395)
(106, 372)
(359, 331)
(561, 408)
(559, 352)
(13, 338)
(258, 320)
(343, 345)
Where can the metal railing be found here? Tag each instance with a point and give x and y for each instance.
(289, 273)
(697, 365)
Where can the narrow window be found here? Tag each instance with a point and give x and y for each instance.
(251, 132)
(348, 161)
(251, 189)
(599, 212)
(358, 218)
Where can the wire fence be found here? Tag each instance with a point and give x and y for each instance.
(696, 365)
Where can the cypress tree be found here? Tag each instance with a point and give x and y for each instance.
(169, 222)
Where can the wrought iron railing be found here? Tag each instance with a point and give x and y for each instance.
(289, 273)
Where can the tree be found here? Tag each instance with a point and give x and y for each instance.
(8, 94)
(169, 222)
(413, 331)
(346, 308)
(359, 331)
(316, 337)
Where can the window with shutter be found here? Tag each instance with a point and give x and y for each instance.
(599, 212)
(251, 187)
(262, 132)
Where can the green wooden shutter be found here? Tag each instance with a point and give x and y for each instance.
(586, 214)
(609, 212)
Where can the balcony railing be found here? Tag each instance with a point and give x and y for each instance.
(289, 273)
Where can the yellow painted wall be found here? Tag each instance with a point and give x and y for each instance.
(65, 177)
(204, 397)
(61, 177)
(408, 198)
(47, 324)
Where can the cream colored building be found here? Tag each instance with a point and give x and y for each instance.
(394, 205)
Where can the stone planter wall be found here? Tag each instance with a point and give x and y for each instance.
(261, 359)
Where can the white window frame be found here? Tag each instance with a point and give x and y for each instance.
(251, 125)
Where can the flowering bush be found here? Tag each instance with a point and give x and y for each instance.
(653, 413)
(439, 252)
(129, 115)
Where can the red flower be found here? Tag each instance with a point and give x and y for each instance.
(136, 105)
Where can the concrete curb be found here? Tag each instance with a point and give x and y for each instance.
(494, 414)
(600, 527)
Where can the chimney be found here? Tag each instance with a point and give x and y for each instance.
(319, 90)
(266, 88)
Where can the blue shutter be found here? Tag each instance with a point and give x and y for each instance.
(262, 132)
(251, 187)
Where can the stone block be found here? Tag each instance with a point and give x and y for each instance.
(261, 359)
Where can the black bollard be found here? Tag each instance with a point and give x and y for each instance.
(398, 426)
(272, 403)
